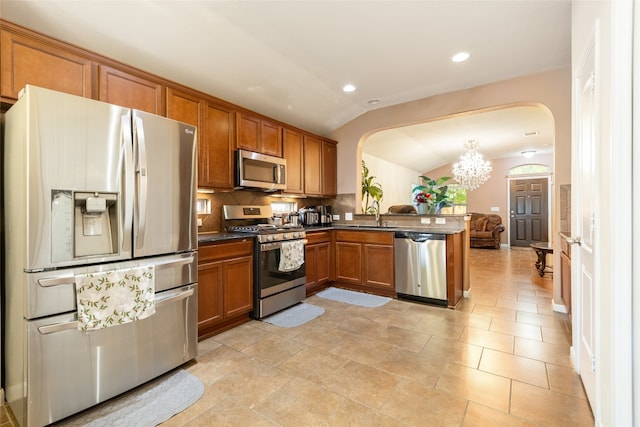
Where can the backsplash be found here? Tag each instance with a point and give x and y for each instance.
(214, 220)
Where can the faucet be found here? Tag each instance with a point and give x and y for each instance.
(375, 204)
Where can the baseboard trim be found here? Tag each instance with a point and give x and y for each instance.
(560, 308)
(467, 293)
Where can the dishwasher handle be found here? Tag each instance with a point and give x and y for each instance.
(419, 236)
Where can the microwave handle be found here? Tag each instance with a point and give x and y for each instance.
(277, 174)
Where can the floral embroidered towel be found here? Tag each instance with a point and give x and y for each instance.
(115, 297)
(291, 255)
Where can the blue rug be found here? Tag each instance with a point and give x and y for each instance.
(146, 406)
(354, 298)
(295, 316)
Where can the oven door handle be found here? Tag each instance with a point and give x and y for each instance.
(264, 247)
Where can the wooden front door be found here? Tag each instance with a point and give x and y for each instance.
(529, 211)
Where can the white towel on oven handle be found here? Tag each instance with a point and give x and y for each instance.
(291, 255)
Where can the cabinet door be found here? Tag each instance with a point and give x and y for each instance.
(312, 166)
(209, 295)
(127, 90)
(215, 153)
(270, 138)
(183, 107)
(248, 132)
(378, 271)
(323, 262)
(329, 169)
(349, 262)
(310, 268)
(25, 60)
(238, 286)
(293, 152)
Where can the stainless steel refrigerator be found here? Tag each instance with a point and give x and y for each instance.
(92, 188)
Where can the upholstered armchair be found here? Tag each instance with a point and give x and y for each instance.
(485, 230)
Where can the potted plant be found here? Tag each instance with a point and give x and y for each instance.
(431, 196)
(370, 190)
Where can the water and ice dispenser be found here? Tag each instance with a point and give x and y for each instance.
(83, 224)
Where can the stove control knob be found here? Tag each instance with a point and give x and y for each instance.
(270, 237)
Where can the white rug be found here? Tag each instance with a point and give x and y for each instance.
(295, 316)
(146, 406)
(354, 298)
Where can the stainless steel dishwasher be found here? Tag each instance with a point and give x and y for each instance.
(421, 266)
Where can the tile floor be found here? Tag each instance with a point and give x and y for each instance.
(501, 358)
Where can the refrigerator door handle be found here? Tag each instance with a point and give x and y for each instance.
(141, 171)
(170, 297)
(126, 156)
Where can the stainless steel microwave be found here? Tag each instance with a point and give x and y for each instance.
(255, 170)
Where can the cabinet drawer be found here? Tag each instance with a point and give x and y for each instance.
(318, 237)
(227, 250)
(377, 237)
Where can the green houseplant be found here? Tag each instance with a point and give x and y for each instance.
(370, 190)
(431, 196)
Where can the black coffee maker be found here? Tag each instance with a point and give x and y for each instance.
(325, 214)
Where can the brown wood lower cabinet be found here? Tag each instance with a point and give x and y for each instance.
(318, 260)
(364, 261)
(225, 286)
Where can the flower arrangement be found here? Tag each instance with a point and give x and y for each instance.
(431, 195)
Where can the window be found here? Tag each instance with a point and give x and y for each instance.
(283, 207)
(458, 196)
(530, 169)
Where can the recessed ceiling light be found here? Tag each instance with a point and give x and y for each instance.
(373, 102)
(528, 153)
(348, 88)
(460, 57)
(532, 133)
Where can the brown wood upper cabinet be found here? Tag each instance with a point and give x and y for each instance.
(215, 136)
(258, 135)
(329, 169)
(26, 60)
(312, 166)
(293, 153)
(128, 90)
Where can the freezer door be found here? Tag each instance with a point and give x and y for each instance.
(165, 169)
(68, 371)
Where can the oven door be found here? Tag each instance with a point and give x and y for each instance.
(271, 277)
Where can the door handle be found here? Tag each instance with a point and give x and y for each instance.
(574, 240)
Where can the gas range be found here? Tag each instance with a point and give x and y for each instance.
(254, 220)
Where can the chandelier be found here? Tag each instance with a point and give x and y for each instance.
(471, 171)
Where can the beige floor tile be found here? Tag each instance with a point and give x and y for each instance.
(540, 320)
(405, 338)
(207, 345)
(362, 383)
(517, 305)
(417, 405)
(515, 367)
(488, 339)
(273, 349)
(217, 363)
(241, 337)
(352, 414)
(565, 380)
(548, 407)
(443, 350)
(300, 403)
(481, 416)
(556, 336)
(313, 364)
(253, 383)
(551, 353)
(516, 329)
(367, 351)
(478, 386)
(228, 413)
(414, 366)
(440, 328)
(468, 319)
(322, 337)
(496, 312)
(362, 327)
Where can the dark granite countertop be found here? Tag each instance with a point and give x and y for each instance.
(220, 236)
(366, 227)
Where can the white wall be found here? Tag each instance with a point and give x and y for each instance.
(396, 181)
